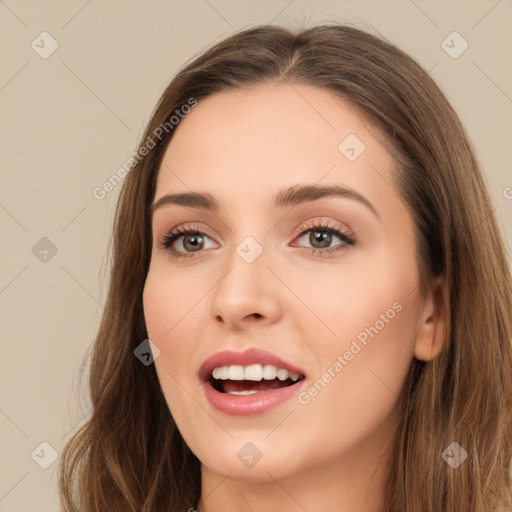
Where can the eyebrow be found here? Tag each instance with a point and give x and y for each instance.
(290, 196)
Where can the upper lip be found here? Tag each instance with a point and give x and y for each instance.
(245, 358)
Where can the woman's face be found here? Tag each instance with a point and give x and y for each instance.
(268, 284)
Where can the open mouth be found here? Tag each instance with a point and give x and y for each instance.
(251, 379)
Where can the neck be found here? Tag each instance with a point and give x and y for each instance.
(354, 482)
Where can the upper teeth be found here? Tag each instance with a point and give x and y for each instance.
(253, 372)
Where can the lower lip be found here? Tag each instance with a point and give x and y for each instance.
(249, 405)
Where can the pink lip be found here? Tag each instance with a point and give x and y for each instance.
(257, 403)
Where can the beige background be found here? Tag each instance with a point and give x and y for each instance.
(69, 121)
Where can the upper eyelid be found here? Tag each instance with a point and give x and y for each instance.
(315, 223)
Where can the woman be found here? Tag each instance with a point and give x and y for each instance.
(310, 302)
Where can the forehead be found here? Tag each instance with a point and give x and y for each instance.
(252, 141)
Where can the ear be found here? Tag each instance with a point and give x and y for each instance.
(432, 334)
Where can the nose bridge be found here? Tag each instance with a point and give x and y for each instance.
(248, 253)
(246, 288)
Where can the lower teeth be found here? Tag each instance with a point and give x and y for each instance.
(248, 392)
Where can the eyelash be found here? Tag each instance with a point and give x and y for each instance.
(349, 240)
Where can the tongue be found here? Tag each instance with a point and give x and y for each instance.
(247, 385)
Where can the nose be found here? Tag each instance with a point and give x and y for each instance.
(246, 295)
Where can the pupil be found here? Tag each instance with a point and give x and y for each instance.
(320, 236)
(192, 237)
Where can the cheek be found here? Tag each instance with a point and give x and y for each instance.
(360, 375)
(366, 343)
(342, 301)
(171, 312)
(170, 304)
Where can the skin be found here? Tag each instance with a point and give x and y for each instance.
(242, 147)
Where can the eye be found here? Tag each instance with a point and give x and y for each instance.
(189, 241)
(321, 236)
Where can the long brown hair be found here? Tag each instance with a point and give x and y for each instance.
(130, 456)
